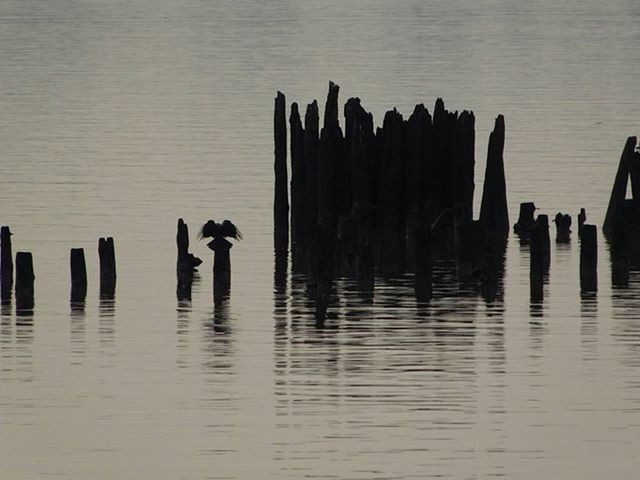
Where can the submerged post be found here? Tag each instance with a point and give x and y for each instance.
(78, 275)
(281, 194)
(24, 281)
(6, 263)
(589, 259)
(106, 252)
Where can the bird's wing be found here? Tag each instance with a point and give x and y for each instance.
(207, 230)
(230, 230)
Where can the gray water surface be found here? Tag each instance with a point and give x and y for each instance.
(118, 117)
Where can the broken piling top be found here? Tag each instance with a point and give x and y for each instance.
(331, 107)
(182, 240)
(629, 165)
(494, 214)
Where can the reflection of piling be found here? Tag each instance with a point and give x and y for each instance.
(6, 263)
(494, 214)
(281, 196)
(107, 254)
(423, 280)
(78, 275)
(563, 227)
(619, 249)
(24, 281)
(221, 267)
(588, 259)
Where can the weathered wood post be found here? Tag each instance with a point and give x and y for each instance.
(24, 281)
(589, 259)
(311, 157)
(281, 194)
(619, 191)
(221, 268)
(185, 263)
(107, 254)
(298, 190)
(78, 275)
(525, 219)
(538, 236)
(6, 264)
(582, 218)
(563, 227)
(542, 223)
(494, 214)
(619, 250)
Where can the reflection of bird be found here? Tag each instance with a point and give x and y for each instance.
(214, 230)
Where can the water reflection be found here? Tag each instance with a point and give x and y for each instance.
(625, 330)
(106, 318)
(78, 328)
(589, 325)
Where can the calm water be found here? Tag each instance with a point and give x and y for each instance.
(118, 117)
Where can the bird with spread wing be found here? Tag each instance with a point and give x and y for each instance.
(214, 230)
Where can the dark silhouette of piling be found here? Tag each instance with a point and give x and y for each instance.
(311, 156)
(620, 253)
(221, 267)
(494, 214)
(186, 263)
(107, 254)
(6, 263)
(538, 264)
(628, 165)
(24, 281)
(281, 195)
(298, 182)
(582, 218)
(525, 219)
(78, 275)
(589, 259)
(563, 227)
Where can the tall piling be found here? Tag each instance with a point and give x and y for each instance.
(78, 269)
(6, 264)
(185, 263)
(281, 194)
(620, 254)
(107, 255)
(589, 259)
(538, 236)
(494, 214)
(24, 281)
(619, 190)
(582, 218)
(298, 181)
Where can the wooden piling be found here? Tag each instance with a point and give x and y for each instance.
(494, 214)
(311, 158)
(563, 227)
(589, 259)
(281, 195)
(24, 281)
(221, 267)
(106, 252)
(619, 251)
(619, 190)
(6, 264)
(78, 275)
(525, 219)
(582, 218)
(538, 262)
(298, 180)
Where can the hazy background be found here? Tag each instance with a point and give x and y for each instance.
(118, 117)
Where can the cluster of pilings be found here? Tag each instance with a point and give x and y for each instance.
(390, 199)
(25, 276)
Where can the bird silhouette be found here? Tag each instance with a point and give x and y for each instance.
(214, 230)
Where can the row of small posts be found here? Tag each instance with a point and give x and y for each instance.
(390, 199)
(25, 276)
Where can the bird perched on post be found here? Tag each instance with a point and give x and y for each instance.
(214, 230)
